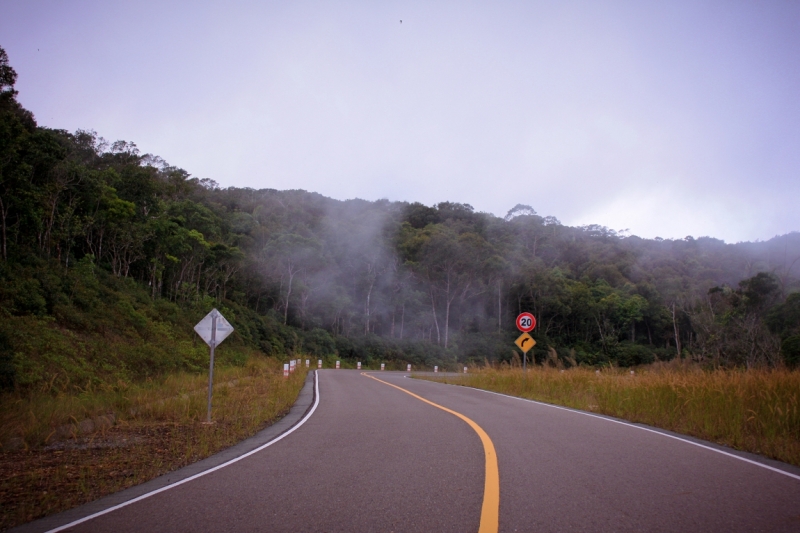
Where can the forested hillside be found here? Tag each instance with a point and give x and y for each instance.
(108, 257)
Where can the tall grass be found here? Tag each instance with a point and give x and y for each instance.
(753, 410)
(244, 397)
(158, 428)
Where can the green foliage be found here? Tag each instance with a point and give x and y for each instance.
(784, 318)
(790, 349)
(108, 257)
(8, 372)
(318, 342)
(628, 354)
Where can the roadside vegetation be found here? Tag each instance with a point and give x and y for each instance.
(101, 245)
(756, 410)
(81, 446)
(109, 257)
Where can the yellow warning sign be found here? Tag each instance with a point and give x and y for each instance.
(525, 342)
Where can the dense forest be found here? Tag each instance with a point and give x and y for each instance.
(107, 253)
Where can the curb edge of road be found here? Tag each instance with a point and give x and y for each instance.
(761, 460)
(296, 413)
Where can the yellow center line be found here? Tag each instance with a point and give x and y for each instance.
(490, 511)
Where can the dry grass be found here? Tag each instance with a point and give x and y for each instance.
(755, 410)
(158, 429)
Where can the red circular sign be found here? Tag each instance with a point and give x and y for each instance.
(526, 322)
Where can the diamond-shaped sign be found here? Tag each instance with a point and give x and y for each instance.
(223, 328)
(525, 342)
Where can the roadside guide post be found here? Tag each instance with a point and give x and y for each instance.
(213, 329)
(525, 323)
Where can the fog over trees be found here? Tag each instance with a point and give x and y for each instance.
(379, 280)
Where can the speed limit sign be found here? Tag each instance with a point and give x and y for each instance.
(526, 322)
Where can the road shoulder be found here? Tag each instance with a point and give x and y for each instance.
(304, 402)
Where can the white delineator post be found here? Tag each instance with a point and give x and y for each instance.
(383, 366)
(408, 368)
(358, 366)
(337, 364)
(465, 370)
(307, 363)
(291, 365)
(436, 369)
(286, 370)
(319, 363)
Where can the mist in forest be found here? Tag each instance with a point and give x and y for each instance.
(389, 280)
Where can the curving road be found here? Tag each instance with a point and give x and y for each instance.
(373, 458)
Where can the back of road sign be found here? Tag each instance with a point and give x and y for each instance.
(203, 328)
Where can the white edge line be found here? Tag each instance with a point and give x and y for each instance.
(607, 419)
(201, 474)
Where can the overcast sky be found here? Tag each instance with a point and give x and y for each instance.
(669, 118)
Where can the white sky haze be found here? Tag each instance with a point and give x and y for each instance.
(668, 118)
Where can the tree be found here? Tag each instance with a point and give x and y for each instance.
(519, 210)
(16, 126)
(289, 254)
(8, 76)
(451, 265)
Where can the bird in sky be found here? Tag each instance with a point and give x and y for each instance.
(401, 22)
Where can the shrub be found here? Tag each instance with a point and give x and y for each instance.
(790, 349)
(7, 370)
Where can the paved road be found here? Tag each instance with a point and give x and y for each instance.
(373, 458)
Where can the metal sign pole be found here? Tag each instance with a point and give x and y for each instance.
(212, 344)
(213, 328)
(525, 322)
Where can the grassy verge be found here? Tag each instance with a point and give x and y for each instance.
(158, 428)
(755, 410)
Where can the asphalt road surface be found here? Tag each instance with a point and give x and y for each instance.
(373, 458)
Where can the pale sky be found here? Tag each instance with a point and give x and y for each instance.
(668, 118)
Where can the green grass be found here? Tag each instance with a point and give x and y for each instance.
(753, 410)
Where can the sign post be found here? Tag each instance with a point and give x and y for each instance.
(213, 329)
(525, 323)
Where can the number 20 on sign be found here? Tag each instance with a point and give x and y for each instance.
(526, 322)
